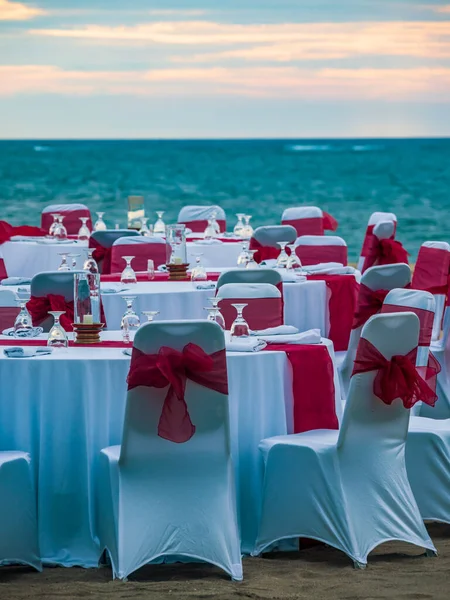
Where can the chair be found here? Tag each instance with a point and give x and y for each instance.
(379, 281)
(142, 248)
(316, 249)
(308, 220)
(431, 274)
(18, 520)
(161, 499)
(348, 488)
(375, 218)
(9, 308)
(264, 304)
(71, 214)
(196, 217)
(251, 276)
(55, 283)
(102, 242)
(265, 240)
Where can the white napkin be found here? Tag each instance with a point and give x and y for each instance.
(18, 352)
(269, 262)
(127, 351)
(36, 331)
(330, 269)
(107, 290)
(162, 268)
(16, 281)
(312, 336)
(207, 285)
(246, 344)
(209, 242)
(280, 330)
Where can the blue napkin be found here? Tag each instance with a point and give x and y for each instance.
(19, 352)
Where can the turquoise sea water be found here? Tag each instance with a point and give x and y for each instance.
(348, 178)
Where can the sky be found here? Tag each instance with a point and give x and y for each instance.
(224, 69)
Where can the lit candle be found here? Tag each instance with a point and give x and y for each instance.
(177, 260)
(88, 320)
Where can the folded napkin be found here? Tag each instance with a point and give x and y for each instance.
(16, 281)
(280, 330)
(18, 352)
(162, 269)
(36, 331)
(246, 344)
(269, 262)
(209, 242)
(127, 351)
(312, 336)
(207, 285)
(107, 290)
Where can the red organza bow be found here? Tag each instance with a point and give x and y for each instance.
(7, 231)
(265, 252)
(172, 368)
(329, 222)
(101, 254)
(38, 307)
(370, 303)
(397, 377)
(385, 252)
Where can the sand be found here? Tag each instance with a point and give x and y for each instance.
(396, 571)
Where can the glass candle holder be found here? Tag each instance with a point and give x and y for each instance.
(86, 298)
(176, 245)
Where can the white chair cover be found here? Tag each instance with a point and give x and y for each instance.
(250, 276)
(248, 290)
(374, 218)
(384, 230)
(53, 282)
(317, 249)
(192, 214)
(348, 489)
(18, 522)
(71, 214)
(157, 498)
(383, 277)
(142, 248)
(107, 237)
(270, 235)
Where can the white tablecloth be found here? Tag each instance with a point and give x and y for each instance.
(214, 255)
(65, 407)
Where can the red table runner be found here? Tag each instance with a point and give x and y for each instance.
(143, 276)
(36, 342)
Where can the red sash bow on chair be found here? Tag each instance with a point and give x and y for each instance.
(264, 252)
(385, 252)
(397, 377)
(38, 307)
(101, 254)
(370, 303)
(7, 231)
(329, 222)
(172, 368)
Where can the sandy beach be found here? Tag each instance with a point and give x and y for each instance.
(395, 570)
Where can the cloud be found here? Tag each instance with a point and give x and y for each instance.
(276, 42)
(440, 9)
(428, 85)
(16, 11)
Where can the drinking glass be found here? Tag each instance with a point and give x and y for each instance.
(74, 260)
(218, 316)
(248, 229)
(128, 275)
(100, 224)
(210, 231)
(239, 225)
(53, 226)
(60, 232)
(23, 325)
(83, 233)
(283, 257)
(294, 261)
(214, 223)
(150, 269)
(239, 327)
(90, 263)
(64, 266)
(198, 273)
(150, 314)
(130, 319)
(160, 227)
(252, 264)
(243, 257)
(144, 230)
(57, 337)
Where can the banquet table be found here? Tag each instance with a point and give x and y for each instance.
(65, 407)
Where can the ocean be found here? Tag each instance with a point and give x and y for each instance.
(348, 178)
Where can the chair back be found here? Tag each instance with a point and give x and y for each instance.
(107, 237)
(431, 274)
(265, 240)
(208, 409)
(142, 248)
(374, 218)
(308, 220)
(9, 308)
(316, 249)
(264, 304)
(196, 217)
(71, 214)
(251, 276)
(59, 283)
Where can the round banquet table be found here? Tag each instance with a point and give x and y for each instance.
(65, 407)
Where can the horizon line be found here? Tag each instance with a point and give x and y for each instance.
(218, 139)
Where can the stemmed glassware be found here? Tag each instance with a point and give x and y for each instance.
(74, 260)
(159, 227)
(294, 261)
(83, 233)
(283, 257)
(150, 314)
(243, 257)
(150, 269)
(215, 225)
(130, 319)
(198, 273)
(239, 327)
(128, 275)
(64, 266)
(90, 263)
(54, 225)
(145, 230)
(239, 225)
(23, 325)
(100, 224)
(216, 315)
(210, 231)
(60, 232)
(247, 232)
(251, 264)
(57, 337)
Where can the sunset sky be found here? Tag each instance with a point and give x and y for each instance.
(230, 68)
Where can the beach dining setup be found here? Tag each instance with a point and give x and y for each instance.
(206, 390)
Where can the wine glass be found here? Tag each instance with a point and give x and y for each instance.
(248, 229)
(74, 260)
(198, 273)
(83, 233)
(150, 269)
(23, 325)
(130, 319)
(239, 225)
(210, 231)
(160, 227)
(54, 225)
(283, 257)
(64, 266)
(90, 263)
(100, 224)
(57, 337)
(252, 264)
(239, 327)
(128, 275)
(218, 316)
(144, 230)
(60, 232)
(243, 257)
(150, 314)
(294, 261)
(214, 223)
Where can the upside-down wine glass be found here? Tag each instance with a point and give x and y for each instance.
(210, 231)
(198, 273)
(150, 314)
(144, 230)
(60, 232)
(64, 266)
(239, 327)
(252, 264)
(218, 316)
(239, 225)
(57, 337)
(128, 275)
(294, 261)
(90, 263)
(83, 233)
(100, 224)
(130, 318)
(159, 227)
(243, 257)
(214, 222)
(283, 257)
(23, 325)
(74, 260)
(248, 229)
(54, 225)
